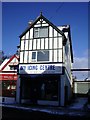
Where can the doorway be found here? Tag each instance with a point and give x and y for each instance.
(39, 88)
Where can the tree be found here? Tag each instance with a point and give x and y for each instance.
(3, 56)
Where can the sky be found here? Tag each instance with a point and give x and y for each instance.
(16, 15)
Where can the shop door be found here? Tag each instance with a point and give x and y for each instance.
(66, 94)
(34, 91)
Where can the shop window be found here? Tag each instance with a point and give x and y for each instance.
(49, 90)
(0, 88)
(41, 32)
(8, 88)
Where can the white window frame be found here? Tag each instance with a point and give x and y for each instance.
(37, 29)
(35, 60)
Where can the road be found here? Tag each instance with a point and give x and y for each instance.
(18, 114)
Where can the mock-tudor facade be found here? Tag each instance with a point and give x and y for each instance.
(46, 59)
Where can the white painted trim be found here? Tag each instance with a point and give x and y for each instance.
(8, 73)
(75, 87)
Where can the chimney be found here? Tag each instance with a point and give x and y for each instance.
(30, 22)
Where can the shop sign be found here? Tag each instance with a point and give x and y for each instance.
(8, 77)
(40, 68)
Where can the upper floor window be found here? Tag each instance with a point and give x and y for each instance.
(40, 56)
(34, 56)
(41, 32)
(43, 56)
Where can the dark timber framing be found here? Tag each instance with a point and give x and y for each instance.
(51, 24)
(80, 69)
(42, 17)
(54, 41)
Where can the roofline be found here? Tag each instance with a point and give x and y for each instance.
(82, 81)
(80, 69)
(38, 18)
(9, 72)
(9, 61)
(71, 44)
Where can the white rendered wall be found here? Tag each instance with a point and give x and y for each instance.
(53, 42)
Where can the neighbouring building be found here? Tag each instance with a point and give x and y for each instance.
(46, 59)
(8, 79)
(81, 88)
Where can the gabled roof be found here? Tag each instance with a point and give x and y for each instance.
(8, 61)
(4, 62)
(42, 17)
(55, 27)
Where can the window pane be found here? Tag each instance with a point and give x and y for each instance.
(43, 32)
(33, 55)
(43, 56)
(36, 32)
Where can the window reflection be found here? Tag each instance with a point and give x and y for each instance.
(8, 88)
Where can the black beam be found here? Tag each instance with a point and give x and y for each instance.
(81, 69)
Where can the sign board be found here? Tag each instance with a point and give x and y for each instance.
(8, 76)
(40, 68)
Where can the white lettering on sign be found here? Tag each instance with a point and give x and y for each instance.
(39, 68)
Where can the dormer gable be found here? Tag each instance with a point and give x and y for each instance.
(41, 21)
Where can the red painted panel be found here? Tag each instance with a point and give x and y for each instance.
(8, 76)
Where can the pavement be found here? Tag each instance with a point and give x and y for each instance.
(79, 104)
(78, 108)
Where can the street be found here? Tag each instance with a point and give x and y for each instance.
(14, 113)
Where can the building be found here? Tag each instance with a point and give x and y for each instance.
(46, 59)
(8, 79)
(81, 88)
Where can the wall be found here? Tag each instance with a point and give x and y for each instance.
(51, 43)
(81, 87)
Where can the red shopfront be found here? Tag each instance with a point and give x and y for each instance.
(8, 84)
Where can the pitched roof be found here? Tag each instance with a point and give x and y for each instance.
(4, 62)
(8, 61)
(42, 17)
(55, 27)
